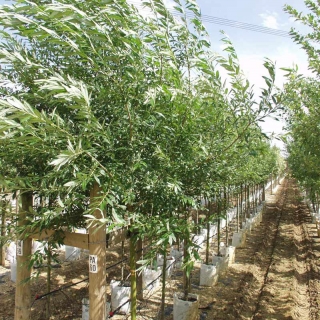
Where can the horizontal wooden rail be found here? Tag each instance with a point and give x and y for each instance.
(81, 240)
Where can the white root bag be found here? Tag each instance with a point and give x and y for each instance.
(208, 275)
(203, 233)
(151, 279)
(72, 253)
(120, 295)
(11, 253)
(86, 307)
(223, 249)
(219, 262)
(38, 246)
(198, 240)
(13, 268)
(314, 216)
(185, 310)
(83, 231)
(170, 264)
(223, 223)
(177, 256)
(238, 239)
(248, 225)
(231, 254)
(213, 230)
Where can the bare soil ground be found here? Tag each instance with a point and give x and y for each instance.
(275, 276)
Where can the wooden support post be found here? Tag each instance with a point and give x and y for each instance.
(23, 294)
(139, 275)
(133, 277)
(97, 263)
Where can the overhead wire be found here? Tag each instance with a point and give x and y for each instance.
(229, 23)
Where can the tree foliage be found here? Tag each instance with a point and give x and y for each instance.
(94, 92)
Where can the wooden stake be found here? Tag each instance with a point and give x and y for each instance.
(97, 263)
(23, 294)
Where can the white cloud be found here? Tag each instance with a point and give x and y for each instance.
(270, 20)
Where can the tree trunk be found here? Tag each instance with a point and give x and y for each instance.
(139, 275)
(163, 289)
(133, 277)
(48, 282)
(3, 232)
(208, 232)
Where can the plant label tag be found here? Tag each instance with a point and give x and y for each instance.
(93, 263)
(20, 248)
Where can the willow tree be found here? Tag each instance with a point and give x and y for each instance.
(301, 102)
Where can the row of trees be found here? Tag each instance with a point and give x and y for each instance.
(94, 94)
(302, 107)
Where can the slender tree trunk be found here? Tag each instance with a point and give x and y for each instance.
(133, 279)
(238, 211)
(248, 201)
(139, 275)
(163, 289)
(122, 263)
(48, 301)
(208, 232)
(186, 276)
(219, 231)
(241, 205)
(3, 232)
(225, 210)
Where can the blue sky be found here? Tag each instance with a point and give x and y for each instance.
(253, 47)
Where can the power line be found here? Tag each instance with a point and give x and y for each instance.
(229, 23)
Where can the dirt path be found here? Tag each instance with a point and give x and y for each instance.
(276, 275)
